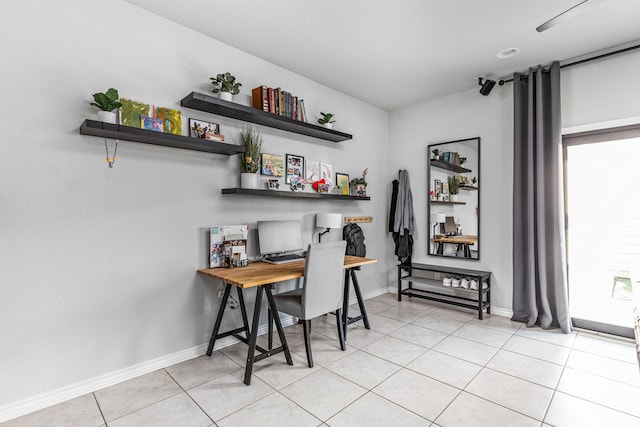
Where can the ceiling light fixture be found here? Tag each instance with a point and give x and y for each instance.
(508, 52)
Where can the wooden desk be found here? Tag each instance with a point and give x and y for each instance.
(259, 274)
(464, 240)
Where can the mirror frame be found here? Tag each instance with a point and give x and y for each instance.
(452, 168)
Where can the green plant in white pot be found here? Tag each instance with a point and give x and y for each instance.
(226, 85)
(107, 102)
(454, 188)
(326, 120)
(249, 161)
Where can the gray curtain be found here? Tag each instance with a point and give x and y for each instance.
(540, 295)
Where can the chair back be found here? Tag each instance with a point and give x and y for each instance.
(323, 278)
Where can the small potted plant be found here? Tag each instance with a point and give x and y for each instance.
(359, 184)
(436, 154)
(326, 120)
(107, 102)
(251, 141)
(454, 188)
(473, 181)
(226, 85)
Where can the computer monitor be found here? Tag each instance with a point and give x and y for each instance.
(276, 237)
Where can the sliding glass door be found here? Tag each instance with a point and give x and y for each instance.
(602, 183)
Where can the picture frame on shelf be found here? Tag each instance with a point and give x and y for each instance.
(272, 165)
(151, 123)
(201, 129)
(342, 181)
(326, 173)
(295, 168)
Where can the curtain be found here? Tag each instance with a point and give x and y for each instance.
(540, 293)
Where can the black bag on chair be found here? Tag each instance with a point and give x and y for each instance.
(354, 236)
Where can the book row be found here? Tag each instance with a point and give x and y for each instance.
(279, 102)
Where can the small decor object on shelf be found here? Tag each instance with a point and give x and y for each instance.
(297, 183)
(205, 130)
(172, 119)
(474, 180)
(295, 168)
(226, 85)
(273, 184)
(326, 120)
(359, 184)
(320, 186)
(251, 141)
(107, 102)
(272, 165)
(342, 181)
(151, 123)
(131, 111)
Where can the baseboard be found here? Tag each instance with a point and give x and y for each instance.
(498, 311)
(62, 394)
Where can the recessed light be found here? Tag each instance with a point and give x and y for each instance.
(508, 52)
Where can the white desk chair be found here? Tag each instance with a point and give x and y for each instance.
(321, 292)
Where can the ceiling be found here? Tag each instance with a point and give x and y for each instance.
(396, 53)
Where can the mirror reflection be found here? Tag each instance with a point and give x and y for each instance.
(453, 210)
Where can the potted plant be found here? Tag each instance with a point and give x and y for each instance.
(454, 188)
(359, 184)
(251, 141)
(226, 85)
(326, 120)
(474, 180)
(107, 102)
(436, 154)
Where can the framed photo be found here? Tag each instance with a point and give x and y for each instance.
(150, 123)
(342, 180)
(295, 167)
(437, 185)
(313, 171)
(272, 165)
(326, 173)
(200, 128)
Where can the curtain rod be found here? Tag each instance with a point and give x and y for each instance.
(582, 61)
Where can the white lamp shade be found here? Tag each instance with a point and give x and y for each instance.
(329, 220)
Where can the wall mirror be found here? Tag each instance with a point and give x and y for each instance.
(453, 202)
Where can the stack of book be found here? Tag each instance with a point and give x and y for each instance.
(450, 157)
(279, 102)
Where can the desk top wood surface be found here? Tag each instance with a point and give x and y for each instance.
(463, 240)
(262, 273)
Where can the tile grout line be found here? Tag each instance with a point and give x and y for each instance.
(191, 398)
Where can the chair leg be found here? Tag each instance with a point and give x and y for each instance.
(306, 326)
(270, 333)
(340, 326)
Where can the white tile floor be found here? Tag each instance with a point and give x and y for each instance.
(421, 364)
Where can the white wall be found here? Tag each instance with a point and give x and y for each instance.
(98, 265)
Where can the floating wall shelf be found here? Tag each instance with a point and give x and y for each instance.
(294, 194)
(449, 166)
(442, 202)
(113, 131)
(211, 104)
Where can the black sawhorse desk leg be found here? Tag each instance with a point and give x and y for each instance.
(223, 305)
(346, 320)
(251, 354)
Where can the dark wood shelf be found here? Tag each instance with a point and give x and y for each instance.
(442, 202)
(113, 131)
(293, 194)
(449, 166)
(468, 187)
(211, 104)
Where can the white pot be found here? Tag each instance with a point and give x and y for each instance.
(453, 197)
(328, 125)
(107, 117)
(248, 180)
(227, 96)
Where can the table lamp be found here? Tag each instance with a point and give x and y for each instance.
(328, 221)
